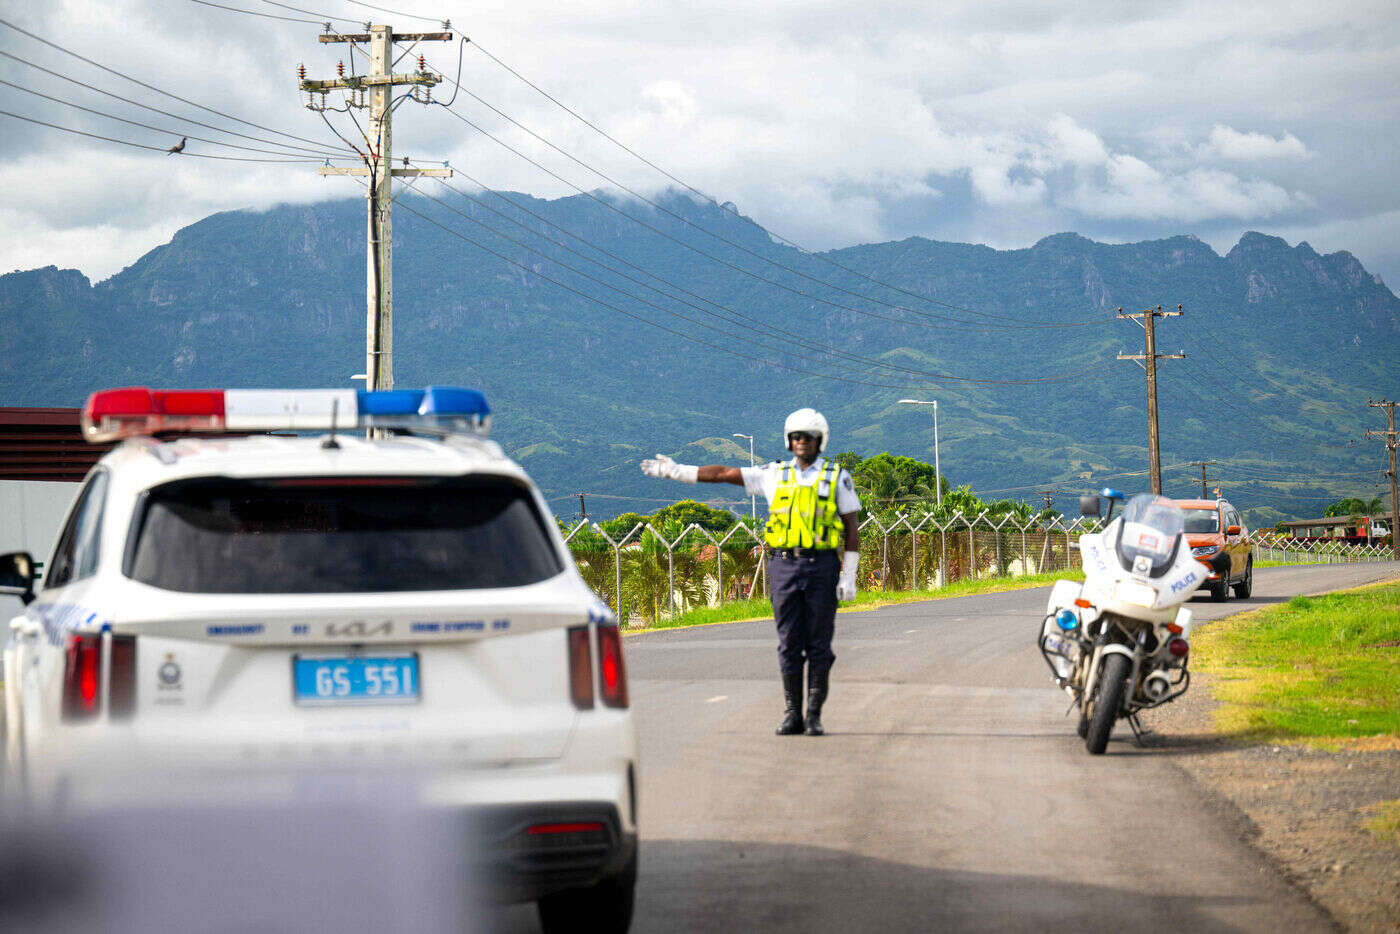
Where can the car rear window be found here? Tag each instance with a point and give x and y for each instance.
(1201, 521)
(339, 535)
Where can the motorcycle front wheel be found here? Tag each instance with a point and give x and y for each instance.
(1112, 681)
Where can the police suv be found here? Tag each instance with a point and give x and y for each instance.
(320, 597)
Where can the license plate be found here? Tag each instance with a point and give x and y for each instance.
(359, 679)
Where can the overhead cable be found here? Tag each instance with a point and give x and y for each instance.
(649, 322)
(323, 150)
(234, 9)
(323, 16)
(744, 319)
(147, 126)
(738, 246)
(125, 142)
(742, 337)
(1198, 326)
(971, 325)
(151, 87)
(383, 9)
(710, 198)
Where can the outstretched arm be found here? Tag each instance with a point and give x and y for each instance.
(716, 473)
(663, 467)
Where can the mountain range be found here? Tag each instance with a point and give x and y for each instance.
(701, 325)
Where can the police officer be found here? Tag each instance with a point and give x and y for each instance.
(813, 544)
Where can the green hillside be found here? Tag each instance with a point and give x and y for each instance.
(1283, 345)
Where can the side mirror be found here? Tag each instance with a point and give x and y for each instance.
(17, 575)
(1090, 506)
(1233, 530)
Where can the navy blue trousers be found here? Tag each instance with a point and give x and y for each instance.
(804, 606)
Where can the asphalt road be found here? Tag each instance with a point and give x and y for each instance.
(950, 792)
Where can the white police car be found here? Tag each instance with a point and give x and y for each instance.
(317, 598)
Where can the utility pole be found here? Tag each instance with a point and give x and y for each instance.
(1390, 435)
(378, 86)
(1148, 361)
(583, 510)
(1203, 465)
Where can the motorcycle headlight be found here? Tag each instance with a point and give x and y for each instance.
(1203, 550)
(1135, 592)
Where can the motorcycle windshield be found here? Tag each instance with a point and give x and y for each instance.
(1152, 529)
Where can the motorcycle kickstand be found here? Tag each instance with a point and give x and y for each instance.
(1139, 731)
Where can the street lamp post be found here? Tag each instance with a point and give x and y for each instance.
(753, 498)
(937, 469)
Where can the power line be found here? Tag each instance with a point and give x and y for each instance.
(151, 87)
(233, 9)
(323, 150)
(323, 16)
(1200, 328)
(124, 142)
(710, 198)
(745, 319)
(739, 246)
(382, 9)
(147, 126)
(647, 321)
(975, 326)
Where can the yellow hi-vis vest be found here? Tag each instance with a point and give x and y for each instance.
(804, 516)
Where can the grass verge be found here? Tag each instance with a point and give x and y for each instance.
(1316, 668)
(1386, 822)
(759, 608)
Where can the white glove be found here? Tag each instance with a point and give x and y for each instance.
(665, 468)
(846, 586)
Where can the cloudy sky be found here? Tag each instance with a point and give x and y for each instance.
(829, 121)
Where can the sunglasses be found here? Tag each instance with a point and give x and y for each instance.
(801, 436)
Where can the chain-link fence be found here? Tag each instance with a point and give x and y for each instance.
(658, 570)
(1277, 546)
(655, 571)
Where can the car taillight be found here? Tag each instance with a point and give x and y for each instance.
(82, 677)
(614, 673)
(580, 668)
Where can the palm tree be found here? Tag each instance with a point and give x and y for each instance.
(646, 578)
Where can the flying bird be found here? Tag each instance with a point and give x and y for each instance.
(179, 147)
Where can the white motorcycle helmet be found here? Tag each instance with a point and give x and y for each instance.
(810, 421)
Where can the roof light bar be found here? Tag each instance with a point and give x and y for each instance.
(113, 414)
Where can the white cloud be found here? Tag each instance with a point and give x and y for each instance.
(823, 118)
(1228, 143)
(994, 184)
(1072, 143)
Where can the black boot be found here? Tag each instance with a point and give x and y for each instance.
(792, 695)
(816, 696)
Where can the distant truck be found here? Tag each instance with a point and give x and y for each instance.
(1352, 530)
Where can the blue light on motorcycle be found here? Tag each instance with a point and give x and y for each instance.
(1067, 620)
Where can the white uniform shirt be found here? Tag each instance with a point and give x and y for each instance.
(764, 479)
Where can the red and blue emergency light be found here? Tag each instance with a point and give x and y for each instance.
(112, 414)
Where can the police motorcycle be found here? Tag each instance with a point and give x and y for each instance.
(1118, 643)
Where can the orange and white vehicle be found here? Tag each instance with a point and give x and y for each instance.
(1219, 540)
